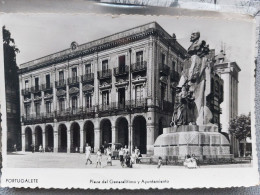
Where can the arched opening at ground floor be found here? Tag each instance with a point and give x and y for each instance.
(122, 131)
(28, 139)
(38, 137)
(89, 134)
(62, 138)
(106, 133)
(75, 137)
(140, 134)
(49, 138)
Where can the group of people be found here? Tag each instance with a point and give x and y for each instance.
(127, 159)
(190, 161)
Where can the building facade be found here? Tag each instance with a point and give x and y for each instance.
(228, 71)
(117, 89)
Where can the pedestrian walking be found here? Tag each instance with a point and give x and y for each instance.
(121, 156)
(88, 154)
(99, 158)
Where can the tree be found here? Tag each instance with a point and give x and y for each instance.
(240, 128)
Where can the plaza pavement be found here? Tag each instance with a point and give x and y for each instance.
(76, 160)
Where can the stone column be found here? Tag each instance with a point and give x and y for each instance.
(81, 124)
(97, 139)
(43, 140)
(23, 138)
(68, 141)
(33, 136)
(67, 89)
(130, 137)
(114, 134)
(23, 142)
(150, 139)
(81, 141)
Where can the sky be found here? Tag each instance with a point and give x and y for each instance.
(37, 35)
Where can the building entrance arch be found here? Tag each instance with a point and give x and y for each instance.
(140, 134)
(89, 134)
(49, 138)
(62, 138)
(106, 132)
(38, 137)
(122, 131)
(28, 139)
(75, 137)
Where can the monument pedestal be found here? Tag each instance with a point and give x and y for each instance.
(203, 141)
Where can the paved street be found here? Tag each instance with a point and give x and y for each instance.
(75, 160)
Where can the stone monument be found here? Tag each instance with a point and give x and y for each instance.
(191, 130)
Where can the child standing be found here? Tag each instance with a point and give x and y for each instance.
(159, 162)
(109, 159)
(99, 158)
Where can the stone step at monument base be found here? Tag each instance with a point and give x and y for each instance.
(203, 141)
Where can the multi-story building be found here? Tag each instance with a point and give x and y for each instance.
(228, 71)
(117, 89)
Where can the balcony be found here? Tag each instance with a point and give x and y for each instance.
(164, 69)
(139, 67)
(32, 119)
(121, 71)
(60, 83)
(36, 89)
(174, 76)
(48, 116)
(87, 78)
(88, 112)
(104, 74)
(47, 87)
(26, 91)
(73, 80)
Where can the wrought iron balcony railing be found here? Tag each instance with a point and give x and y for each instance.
(121, 71)
(47, 86)
(73, 80)
(60, 83)
(104, 74)
(26, 91)
(36, 89)
(164, 69)
(87, 77)
(139, 66)
(174, 76)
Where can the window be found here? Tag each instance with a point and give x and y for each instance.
(121, 63)
(74, 72)
(173, 65)
(139, 57)
(48, 107)
(61, 105)
(105, 98)
(104, 65)
(27, 110)
(37, 109)
(138, 94)
(61, 76)
(88, 69)
(163, 59)
(121, 97)
(162, 93)
(48, 81)
(74, 104)
(88, 99)
(36, 81)
(26, 84)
